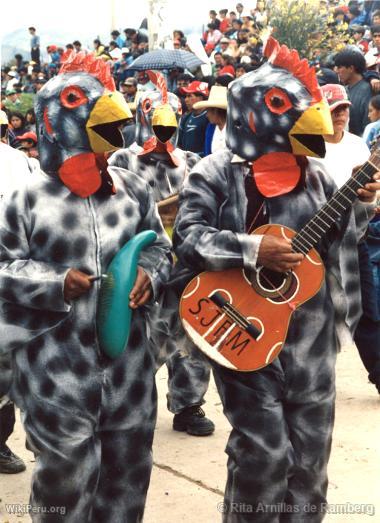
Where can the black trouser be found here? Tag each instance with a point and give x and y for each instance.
(367, 335)
(35, 55)
(7, 422)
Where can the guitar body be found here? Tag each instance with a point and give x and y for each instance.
(240, 318)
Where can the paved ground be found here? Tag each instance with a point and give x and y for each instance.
(189, 473)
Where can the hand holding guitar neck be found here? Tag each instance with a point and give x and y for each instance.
(368, 193)
(276, 254)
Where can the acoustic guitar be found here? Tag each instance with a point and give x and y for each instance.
(240, 318)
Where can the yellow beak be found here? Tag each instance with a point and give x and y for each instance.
(306, 135)
(165, 116)
(109, 113)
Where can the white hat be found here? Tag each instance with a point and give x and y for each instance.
(371, 58)
(124, 50)
(217, 99)
(116, 53)
(12, 73)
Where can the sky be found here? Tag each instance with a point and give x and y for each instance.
(96, 14)
(61, 22)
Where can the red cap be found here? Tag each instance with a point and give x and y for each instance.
(335, 95)
(196, 87)
(28, 136)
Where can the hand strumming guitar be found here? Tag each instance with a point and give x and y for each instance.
(276, 254)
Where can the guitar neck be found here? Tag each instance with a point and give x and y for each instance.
(310, 235)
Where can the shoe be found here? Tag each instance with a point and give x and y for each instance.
(9, 462)
(193, 421)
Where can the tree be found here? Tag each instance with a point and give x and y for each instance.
(302, 25)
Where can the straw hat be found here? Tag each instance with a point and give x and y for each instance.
(217, 99)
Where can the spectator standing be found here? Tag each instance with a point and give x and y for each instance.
(116, 36)
(350, 66)
(17, 127)
(227, 66)
(344, 152)
(213, 19)
(30, 118)
(361, 43)
(372, 130)
(98, 47)
(216, 107)
(239, 10)
(14, 172)
(129, 93)
(192, 129)
(12, 80)
(225, 23)
(236, 27)
(212, 37)
(34, 45)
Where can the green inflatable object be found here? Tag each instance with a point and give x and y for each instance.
(114, 314)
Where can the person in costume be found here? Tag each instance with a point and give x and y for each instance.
(155, 156)
(89, 419)
(282, 415)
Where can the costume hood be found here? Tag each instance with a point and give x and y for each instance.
(157, 119)
(276, 114)
(78, 114)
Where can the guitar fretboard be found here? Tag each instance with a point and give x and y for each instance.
(309, 236)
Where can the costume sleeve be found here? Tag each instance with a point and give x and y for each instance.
(198, 241)
(156, 259)
(25, 281)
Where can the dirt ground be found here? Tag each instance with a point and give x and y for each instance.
(189, 473)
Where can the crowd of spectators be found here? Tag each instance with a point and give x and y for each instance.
(233, 42)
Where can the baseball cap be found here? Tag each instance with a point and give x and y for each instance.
(196, 87)
(327, 76)
(335, 95)
(130, 81)
(27, 136)
(224, 40)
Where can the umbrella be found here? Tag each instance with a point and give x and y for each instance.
(166, 59)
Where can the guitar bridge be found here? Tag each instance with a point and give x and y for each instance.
(233, 313)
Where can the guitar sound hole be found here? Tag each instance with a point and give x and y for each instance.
(271, 280)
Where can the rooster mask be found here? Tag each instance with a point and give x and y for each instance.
(275, 114)
(157, 119)
(79, 113)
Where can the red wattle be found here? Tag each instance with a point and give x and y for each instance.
(154, 145)
(276, 173)
(81, 174)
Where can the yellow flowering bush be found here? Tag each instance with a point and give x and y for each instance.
(301, 25)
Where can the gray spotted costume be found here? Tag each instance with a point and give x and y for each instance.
(89, 420)
(282, 415)
(188, 377)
